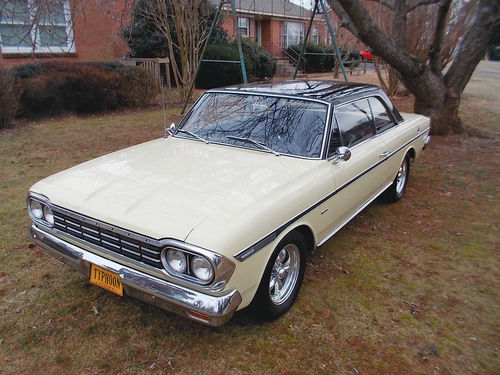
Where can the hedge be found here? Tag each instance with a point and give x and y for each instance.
(323, 63)
(10, 92)
(56, 87)
(259, 64)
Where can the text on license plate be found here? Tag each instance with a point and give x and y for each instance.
(106, 279)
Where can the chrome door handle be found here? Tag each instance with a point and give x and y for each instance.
(384, 154)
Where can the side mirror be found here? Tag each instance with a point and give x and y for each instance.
(170, 130)
(343, 153)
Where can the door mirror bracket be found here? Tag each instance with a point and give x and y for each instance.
(342, 153)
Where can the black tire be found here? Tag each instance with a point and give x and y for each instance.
(398, 187)
(271, 301)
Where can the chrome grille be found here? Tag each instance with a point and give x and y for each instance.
(107, 239)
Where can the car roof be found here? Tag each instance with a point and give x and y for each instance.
(335, 92)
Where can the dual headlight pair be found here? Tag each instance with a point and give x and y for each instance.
(185, 264)
(40, 212)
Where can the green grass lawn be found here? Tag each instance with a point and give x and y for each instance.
(411, 287)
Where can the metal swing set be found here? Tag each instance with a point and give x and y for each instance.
(241, 61)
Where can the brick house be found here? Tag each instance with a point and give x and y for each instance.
(66, 31)
(277, 24)
(273, 24)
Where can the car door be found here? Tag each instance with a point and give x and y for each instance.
(357, 179)
(392, 134)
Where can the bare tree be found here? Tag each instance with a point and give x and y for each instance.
(437, 93)
(189, 21)
(421, 23)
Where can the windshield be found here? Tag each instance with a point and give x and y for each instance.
(270, 124)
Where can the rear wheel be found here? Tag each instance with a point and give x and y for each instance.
(282, 278)
(396, 191)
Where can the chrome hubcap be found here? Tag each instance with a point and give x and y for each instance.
(284, 274)
(401, 177)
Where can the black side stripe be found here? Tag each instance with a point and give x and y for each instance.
(249, 251)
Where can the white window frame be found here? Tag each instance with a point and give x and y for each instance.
(285, 39)
(36, 46)
(315, 35)
(246, 27)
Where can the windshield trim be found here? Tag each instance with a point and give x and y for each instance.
(256, 93)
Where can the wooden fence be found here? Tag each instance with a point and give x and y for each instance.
(156, 76)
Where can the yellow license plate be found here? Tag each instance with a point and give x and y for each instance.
(106, 279)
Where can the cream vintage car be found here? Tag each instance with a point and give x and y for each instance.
(222, 213)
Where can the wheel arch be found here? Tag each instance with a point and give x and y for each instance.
(411, 153)
(308, 235)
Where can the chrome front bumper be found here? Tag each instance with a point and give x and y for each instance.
(207, 309)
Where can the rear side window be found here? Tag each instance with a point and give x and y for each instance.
(355, 122)
(383, 118)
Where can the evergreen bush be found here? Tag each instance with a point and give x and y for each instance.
(259, 64)
(10, 92)
(324, 63)
(55, 87)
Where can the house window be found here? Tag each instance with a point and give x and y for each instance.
(28, 26)
(315, 35)
(293, 34)
(243, 26)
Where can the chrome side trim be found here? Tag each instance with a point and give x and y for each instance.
(363, 206)
(257, 246)
(161, 293)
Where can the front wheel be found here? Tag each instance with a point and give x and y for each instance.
(396, 191)
(282, 278)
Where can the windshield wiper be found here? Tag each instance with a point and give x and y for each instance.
(193, 135)
(250, 140)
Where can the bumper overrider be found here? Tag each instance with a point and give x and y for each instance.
(195, 305)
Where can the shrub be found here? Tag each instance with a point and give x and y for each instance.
(314, 63)
(41, 96)
(28, 70)
(219, 74)
(324, 63)
(259, 64)
(55, 87)
(10, 92)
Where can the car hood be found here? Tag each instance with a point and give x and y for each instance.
(167, 187)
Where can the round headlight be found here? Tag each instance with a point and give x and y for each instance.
(201, 268)
(47, 214)
(36, 209)
(176, 260)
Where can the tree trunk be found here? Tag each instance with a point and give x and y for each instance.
(434, 99)
(443, 113)
(436, 96)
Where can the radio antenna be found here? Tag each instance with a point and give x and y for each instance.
(163, 109)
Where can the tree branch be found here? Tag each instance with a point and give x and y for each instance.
(345, 20)
(435, 50)
(371, 35)
(416, 3)
(473, 45)
(388, 3)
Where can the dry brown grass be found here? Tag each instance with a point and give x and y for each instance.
(411, 287)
